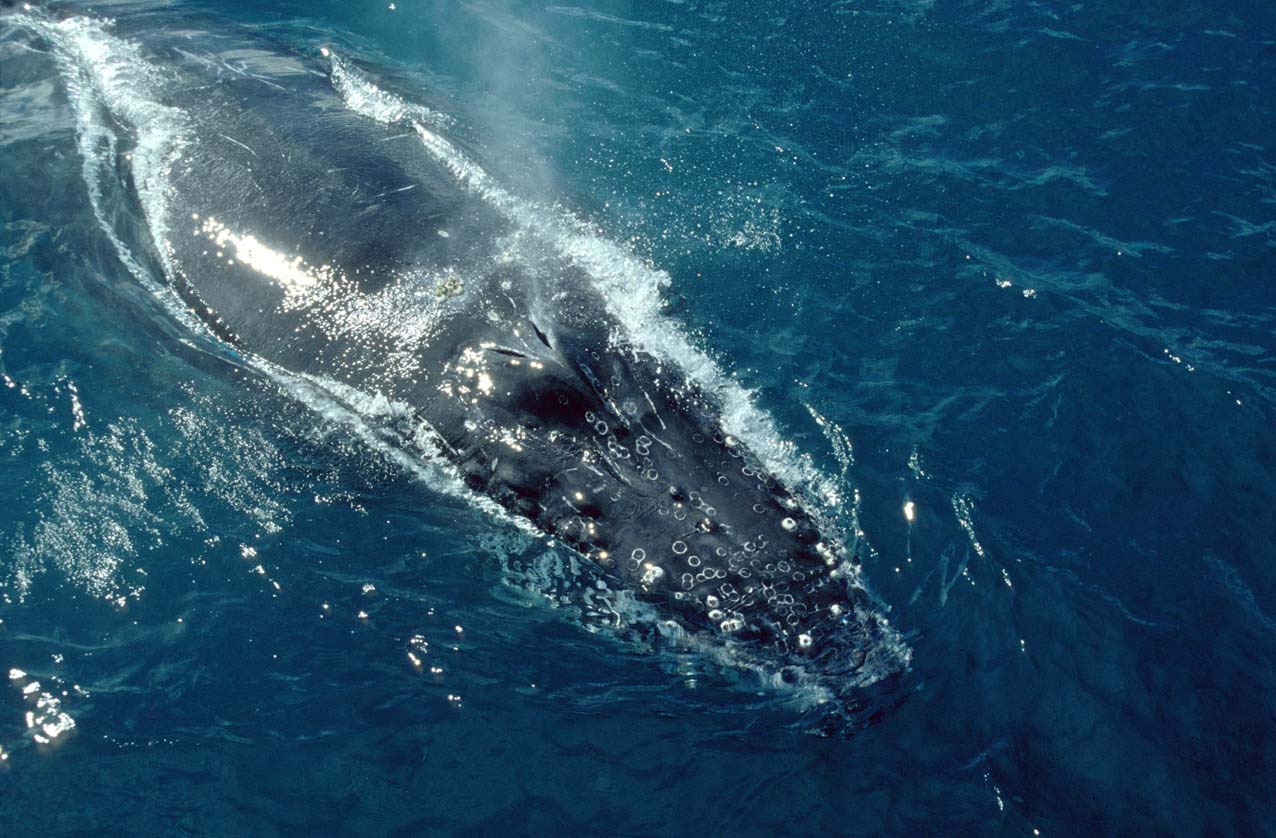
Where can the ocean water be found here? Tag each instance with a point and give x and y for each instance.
(998, 279)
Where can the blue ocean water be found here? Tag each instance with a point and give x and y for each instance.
(1003, 272)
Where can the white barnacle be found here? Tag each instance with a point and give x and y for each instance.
(711, 601)
(825, 553)
(788, 524)
(652, 573)
(804, 641)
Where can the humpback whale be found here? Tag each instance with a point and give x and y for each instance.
(337, 232)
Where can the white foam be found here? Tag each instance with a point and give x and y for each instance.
(106, 76)
(46, 720)
(370, 100)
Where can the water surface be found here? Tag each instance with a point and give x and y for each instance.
(1008, 263)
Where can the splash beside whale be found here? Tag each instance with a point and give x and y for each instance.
(329, 229)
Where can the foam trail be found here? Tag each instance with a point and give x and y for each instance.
(106, 76)
(631, 287)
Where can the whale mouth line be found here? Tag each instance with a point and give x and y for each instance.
(510, 353)
(540, 335)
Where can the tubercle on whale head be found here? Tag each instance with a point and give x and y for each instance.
(632, 469)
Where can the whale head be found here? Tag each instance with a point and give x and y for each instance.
(623, 460)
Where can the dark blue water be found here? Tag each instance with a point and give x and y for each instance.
(1013, 264)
